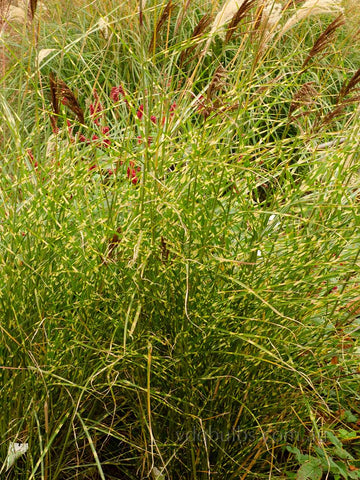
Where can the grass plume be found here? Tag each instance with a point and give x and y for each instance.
(325, 39)
(164, 17)
(236, 19)
(350, 86)
(199, 30)
(68, 98)
(311, 8)
(303, 97)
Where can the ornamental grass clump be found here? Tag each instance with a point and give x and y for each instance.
(179, 288)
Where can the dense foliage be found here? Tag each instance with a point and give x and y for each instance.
(179, 289)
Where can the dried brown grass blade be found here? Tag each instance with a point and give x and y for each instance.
(325, 38)
(236, 19)
(162, 20)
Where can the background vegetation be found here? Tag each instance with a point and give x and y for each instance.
(179, 250)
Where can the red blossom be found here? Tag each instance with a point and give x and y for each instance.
(140, 112)
(153, 118)
(140, 140)
(131, 173)
(116, 92)
(92, 167)
(32, 158)
(105, 130)
(31, 155)
(96, 108)
(172, 109)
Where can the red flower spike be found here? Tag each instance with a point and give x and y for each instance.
(96, 108)
(94, 137)
(106, 143)
(116, 92)
(140, 112)
(153, 119)
(131, 173)
(92, 167)
(31, 155)
(105, 130)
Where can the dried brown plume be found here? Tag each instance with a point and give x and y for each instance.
(325, 38)
(63, 93)
(32, 9)
(217, 82)
(303, 97)
(236, 19)
(200, 28)
(162, 20)
(349, 87)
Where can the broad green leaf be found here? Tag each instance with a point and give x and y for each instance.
(333, 439)
(311, 470)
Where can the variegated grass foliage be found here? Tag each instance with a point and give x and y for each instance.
(179, 198)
